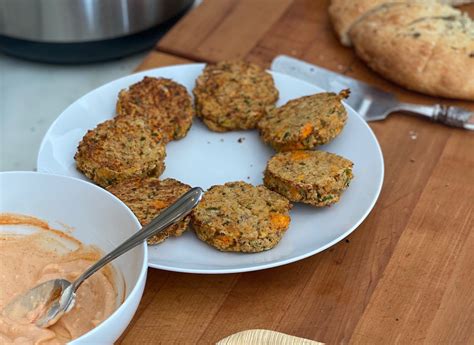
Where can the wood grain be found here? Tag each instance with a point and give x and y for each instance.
(224, 29)
(405, 276)
(156, 59)
(424, 267)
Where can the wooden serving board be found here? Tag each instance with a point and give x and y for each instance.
(405, 276)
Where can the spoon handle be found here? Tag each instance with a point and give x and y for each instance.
(168, 217)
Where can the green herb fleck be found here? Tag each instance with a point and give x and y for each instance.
(327, 198)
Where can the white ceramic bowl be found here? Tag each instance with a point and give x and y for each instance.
(96, 217)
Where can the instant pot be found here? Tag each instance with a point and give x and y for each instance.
(74, 31)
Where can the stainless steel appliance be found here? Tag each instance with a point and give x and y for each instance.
(84, 30)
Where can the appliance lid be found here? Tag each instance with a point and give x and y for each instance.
(67, 21)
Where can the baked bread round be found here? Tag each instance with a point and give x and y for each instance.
(305, 122)
(239, 217)
(425, 48)
(317, 178)
(233, 95)
(118, 149)
(147, 197)
(164, 104)
(345, 14)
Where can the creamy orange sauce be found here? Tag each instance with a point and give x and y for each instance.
(28, 259)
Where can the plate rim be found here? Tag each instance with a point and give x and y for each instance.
(256, 267)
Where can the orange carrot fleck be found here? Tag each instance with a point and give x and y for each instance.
(224, 240)
(306, 130)
(279, 221)
(299, 155)
(159, 204)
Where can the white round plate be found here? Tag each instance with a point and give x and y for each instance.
(204, 158)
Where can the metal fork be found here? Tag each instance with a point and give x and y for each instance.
(370, 102)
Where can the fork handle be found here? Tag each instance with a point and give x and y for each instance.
(449, 115)
(171, 215)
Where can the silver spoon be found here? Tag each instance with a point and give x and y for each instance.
(47, 302)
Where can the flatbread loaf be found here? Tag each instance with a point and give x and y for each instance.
(345, 14)
(426, 48)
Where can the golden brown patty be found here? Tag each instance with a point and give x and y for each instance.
(233, 95)
(305, 122)
(118, 149)
(240, 217)
(163, 103)
(147, 197)
(312, 177)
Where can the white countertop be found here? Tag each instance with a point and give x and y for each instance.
(32, 95)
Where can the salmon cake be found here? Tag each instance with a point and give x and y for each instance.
(239, 217)
(147, 197)
(233, 95)
(163, 103)
(312, 177)
(118, 149)
(306, 122)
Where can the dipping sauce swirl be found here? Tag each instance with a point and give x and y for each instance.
(31, 253)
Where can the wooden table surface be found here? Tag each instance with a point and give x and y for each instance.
(405, 276)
